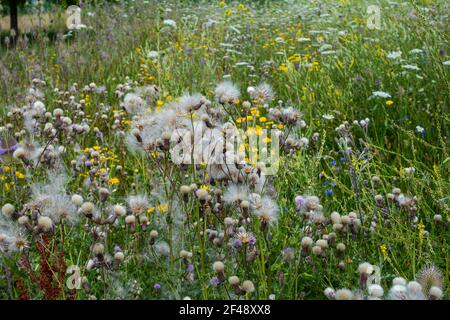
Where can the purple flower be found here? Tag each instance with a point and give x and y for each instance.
(237, 243)
(288, 254)
(420, 129)
(88, 163)
(214, 281)
(157, 286)
(8, 150)
(329, 192)
(252, 240)
(299, 202)
(315, 137)
(190, 267)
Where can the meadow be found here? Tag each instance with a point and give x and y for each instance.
(349, 103)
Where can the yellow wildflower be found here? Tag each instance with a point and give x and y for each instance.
(421, 228)
(258, 130)
(283, 68)
(383, 249)
(113, 181)
(163, 208)
(20, 175)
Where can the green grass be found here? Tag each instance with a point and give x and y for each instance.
(192, 58)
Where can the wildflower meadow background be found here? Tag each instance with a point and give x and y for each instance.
(354, 93)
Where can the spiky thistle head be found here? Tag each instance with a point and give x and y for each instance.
(429, 276)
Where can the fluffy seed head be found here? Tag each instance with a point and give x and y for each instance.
(322, 243)
(399, 281)
(343, 294)
(227, 92)
(379, 198)
(8, 209)
(130, 219)
(245, 204)
(119, 210)
(185, 254)
(77, 200)
(316, 250)
(233, 280)
(58, 112)
(365, 268)
(202, 194)
(340, 247)
(248, 286)
(435, 293)
(415, 291)
(136, 132)
(166, 136)
(414, 286)
(345, 220)
(375, 290)
(143, 219)
(98, 249)
(329, 293)
(335, 217)
(104, 193)
(306, 242)
(87, 207)
(153, 234)
(218, 267)
(19, 153)
(398, 292)
(45, 223)
(23, 220)
(185, 190)
(119, 256)
(228, 221)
